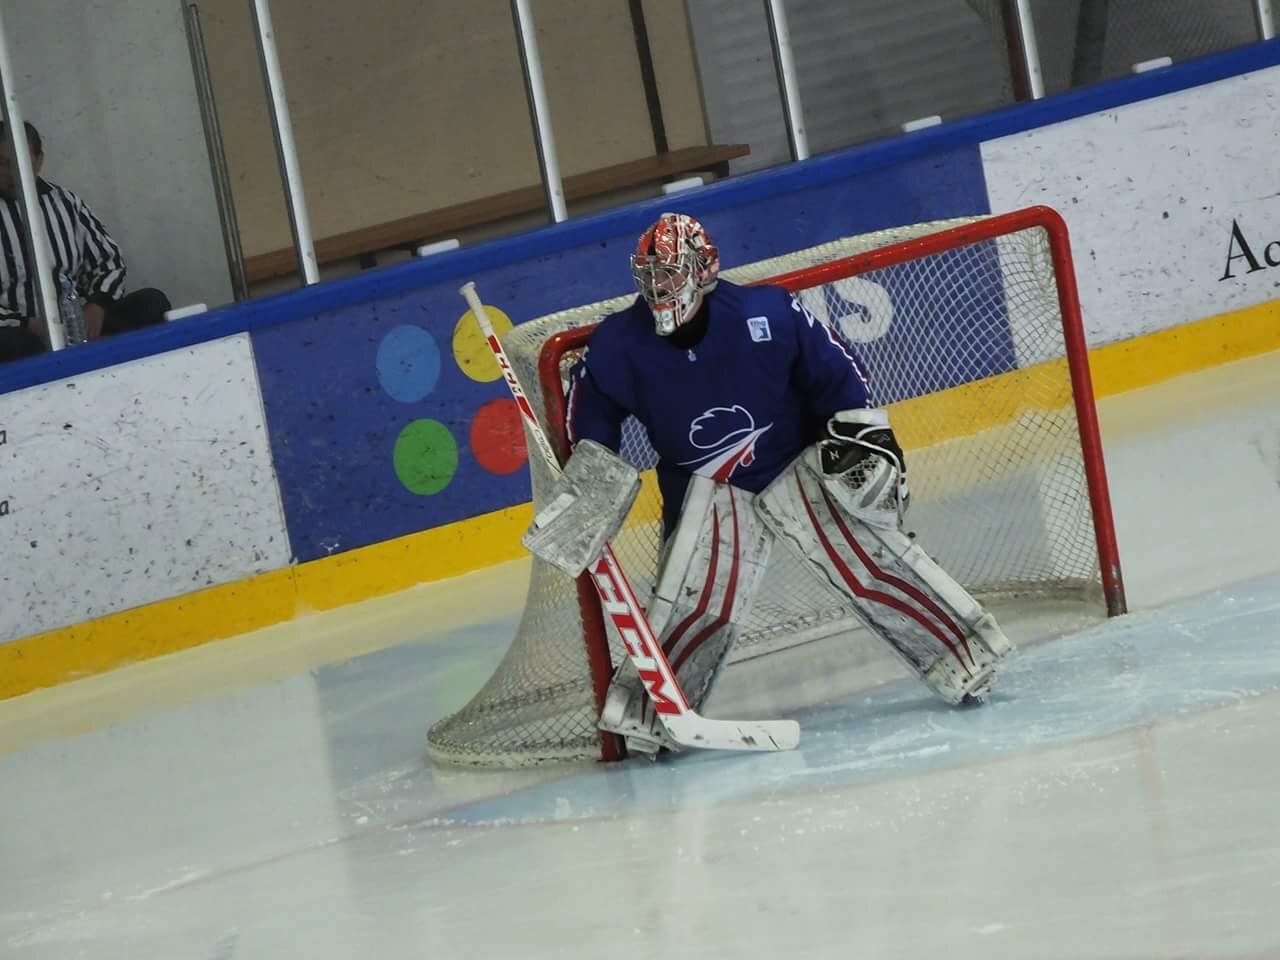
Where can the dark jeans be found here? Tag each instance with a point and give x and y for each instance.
(139, 309)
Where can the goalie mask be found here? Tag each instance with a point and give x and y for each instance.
(673, 267)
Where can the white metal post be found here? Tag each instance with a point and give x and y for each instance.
(531, 63)
(1030, 49)
(286, 150)
(784, 62)
(1266, 20)
(33, 226)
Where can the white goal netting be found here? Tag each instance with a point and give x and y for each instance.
(960, 326)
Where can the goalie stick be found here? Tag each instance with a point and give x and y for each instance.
(684, 726)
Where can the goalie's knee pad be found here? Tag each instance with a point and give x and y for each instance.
(930, 621)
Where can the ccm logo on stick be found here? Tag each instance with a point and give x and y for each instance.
(619, 612)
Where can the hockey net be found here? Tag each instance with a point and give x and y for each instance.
(971, 333)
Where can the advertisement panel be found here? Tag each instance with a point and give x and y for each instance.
(389, 417)
(1172, 202)
(133, 484)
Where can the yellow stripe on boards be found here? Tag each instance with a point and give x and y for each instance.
(395, 565)
(1161, 356)
(973, 407)
(648, 505)
(177, 624)
(144, 632)
(216, 613)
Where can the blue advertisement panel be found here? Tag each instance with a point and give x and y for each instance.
(387, 417)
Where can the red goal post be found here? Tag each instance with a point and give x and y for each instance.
(972, 334)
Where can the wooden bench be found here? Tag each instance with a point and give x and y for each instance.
(411, 232)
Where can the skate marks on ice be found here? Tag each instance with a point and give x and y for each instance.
(1200, 654)
(300, 818)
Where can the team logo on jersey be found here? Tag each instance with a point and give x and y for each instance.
(728, 435)
(759, 329)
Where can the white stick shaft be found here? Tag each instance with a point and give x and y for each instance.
(478, 311)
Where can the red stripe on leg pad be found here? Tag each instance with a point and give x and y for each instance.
(731, 589)
(910, 589)
(705, 599)
(875, 596)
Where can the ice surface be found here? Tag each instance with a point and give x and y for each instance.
(270, 798)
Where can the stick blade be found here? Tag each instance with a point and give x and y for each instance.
(696, 732)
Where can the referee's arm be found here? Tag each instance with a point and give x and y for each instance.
(100, 278)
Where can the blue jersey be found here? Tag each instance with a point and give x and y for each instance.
(738, 407)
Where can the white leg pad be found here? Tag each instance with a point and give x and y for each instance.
(932, 623)
(708, 575)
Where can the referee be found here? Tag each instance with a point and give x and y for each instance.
(82, 251)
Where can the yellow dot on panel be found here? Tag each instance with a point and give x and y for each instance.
(470, 350)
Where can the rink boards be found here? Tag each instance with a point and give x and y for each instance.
(321, 447)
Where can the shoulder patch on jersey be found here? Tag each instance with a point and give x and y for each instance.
(759, 329)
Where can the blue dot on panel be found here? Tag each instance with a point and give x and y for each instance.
(408, 363)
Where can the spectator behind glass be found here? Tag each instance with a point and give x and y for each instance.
(82, 250)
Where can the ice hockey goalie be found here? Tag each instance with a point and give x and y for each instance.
(768, 438)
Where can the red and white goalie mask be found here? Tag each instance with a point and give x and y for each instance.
(673, 267)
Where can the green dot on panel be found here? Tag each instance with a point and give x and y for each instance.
(426, 457)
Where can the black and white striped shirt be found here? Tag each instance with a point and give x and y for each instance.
(82, 250)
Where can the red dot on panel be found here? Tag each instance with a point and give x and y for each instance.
(497, 437)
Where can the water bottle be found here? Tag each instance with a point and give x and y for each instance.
(73, 326)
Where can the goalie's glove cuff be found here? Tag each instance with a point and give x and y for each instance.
(855, 436)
